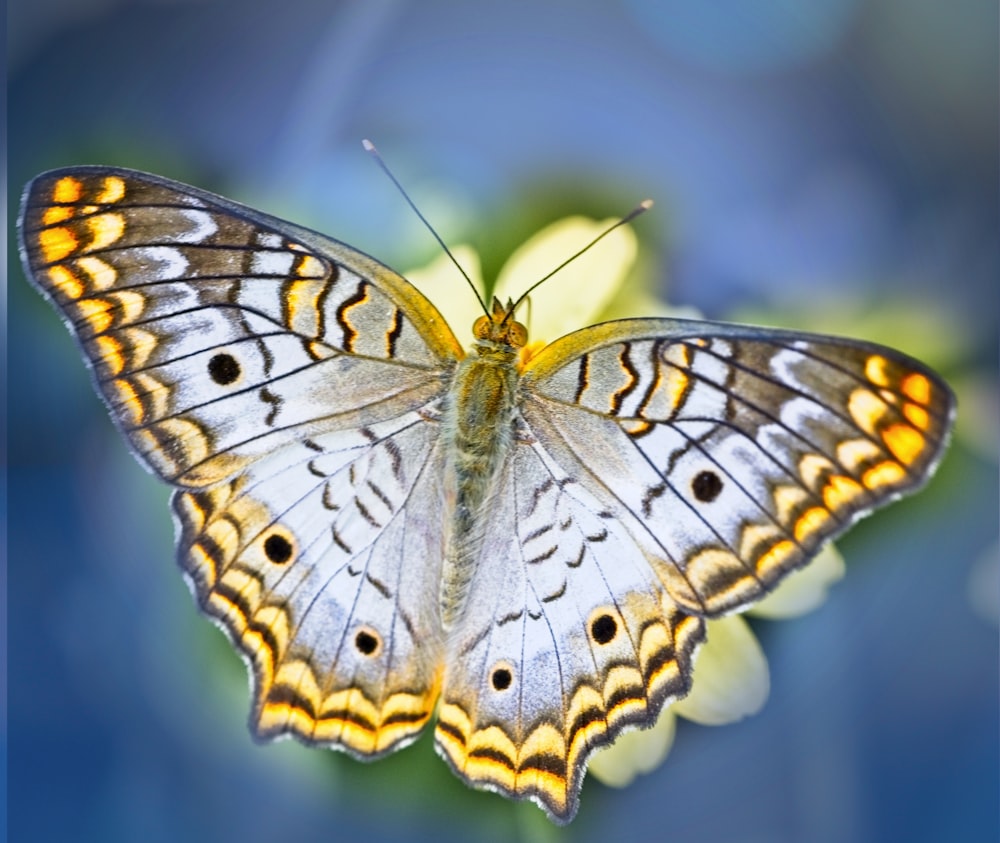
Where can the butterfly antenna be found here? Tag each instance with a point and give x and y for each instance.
(371, 150)
(641, 208)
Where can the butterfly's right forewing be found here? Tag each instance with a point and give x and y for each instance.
(732, 453)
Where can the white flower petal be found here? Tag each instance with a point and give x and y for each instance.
(803, 590)
(636, 752)
(442, 283)
(730, 675)
(575, 295)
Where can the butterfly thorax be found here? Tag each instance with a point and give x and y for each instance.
(477, 433)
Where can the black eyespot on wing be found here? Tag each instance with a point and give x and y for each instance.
(603, 628)
(502, 678)
(224, 369)
(706, 486)
(277, 548)
(366, 642)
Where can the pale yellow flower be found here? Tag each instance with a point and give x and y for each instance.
(730, 676)
(571, 299)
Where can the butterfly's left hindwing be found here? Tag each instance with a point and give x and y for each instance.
(732, 453)
(321, 562)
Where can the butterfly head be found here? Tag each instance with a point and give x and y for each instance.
(500, 328)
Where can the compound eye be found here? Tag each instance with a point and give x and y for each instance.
(517, 335)
(481, 327)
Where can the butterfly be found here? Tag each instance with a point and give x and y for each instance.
(388, 524)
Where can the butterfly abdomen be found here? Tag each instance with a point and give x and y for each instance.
(478, 433)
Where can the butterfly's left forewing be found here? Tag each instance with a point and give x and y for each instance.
(216, 333)
(732, 453)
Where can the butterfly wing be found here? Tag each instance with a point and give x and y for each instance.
(322, 563)
(217, 334)
(732, 453)
(287, 385)
(577, 641)
(664, 470)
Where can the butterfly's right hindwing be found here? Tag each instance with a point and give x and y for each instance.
(217, 334)
(558, 651)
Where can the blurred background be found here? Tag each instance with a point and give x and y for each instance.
(828, 166)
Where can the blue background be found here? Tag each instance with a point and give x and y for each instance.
(826, 165)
